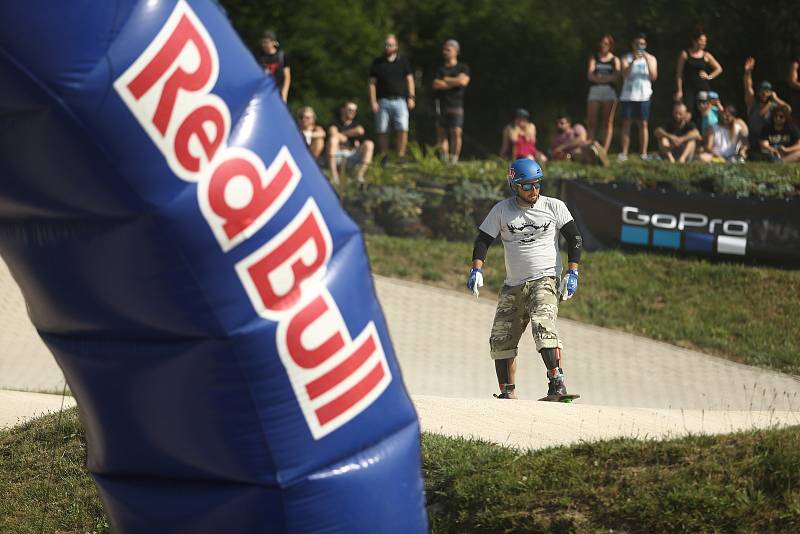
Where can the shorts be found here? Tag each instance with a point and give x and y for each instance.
(535, 302)
(602, 93)
(636, 110)
(391, 111)
(449, 117)
(350, 156)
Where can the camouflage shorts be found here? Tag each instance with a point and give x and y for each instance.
(535, 301)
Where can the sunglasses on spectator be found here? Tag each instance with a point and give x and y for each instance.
(530, 185)
(389, 45)
(782, 117)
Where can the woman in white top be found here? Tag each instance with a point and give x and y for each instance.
(639, 71)
(603, 71)
(726, 140)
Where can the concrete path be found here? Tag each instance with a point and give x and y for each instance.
(440, 338)
(441, 341)
(16, 407)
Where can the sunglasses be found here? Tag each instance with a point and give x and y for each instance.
(530, 185)
(389, 45)
(782, 117)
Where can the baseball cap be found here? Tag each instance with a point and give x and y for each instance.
(702, 96)
(765, 85)
(522, 113)
(713, 95)
(269, 34)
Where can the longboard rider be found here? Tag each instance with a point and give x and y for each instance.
(529, 225)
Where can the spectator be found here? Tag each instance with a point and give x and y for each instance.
(312, 132)
(275, 62)
(450, 84)
(391, 95)
(759, 107)
(780, 138)
(726, 140)
(678, 141)
(706, 111)
(639, 71)
(519, 139)
(696, 68)
(572, 142)
(794, 85)
(604, 69)
(346, 143)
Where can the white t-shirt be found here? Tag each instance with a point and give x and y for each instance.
(725, 144)
(637, 86)
(530, 237)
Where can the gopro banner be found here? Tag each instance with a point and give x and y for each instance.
(765, 231)
(196, 279)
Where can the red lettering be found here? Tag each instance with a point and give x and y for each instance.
(238, 219)
(339, 373)
(193, 125)
(343, 402)
(308, 231)
(302, 356)
(184, 33)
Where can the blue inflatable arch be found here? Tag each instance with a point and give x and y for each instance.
(193, 274)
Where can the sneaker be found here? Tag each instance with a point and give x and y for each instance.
(556, 387)
(644, 157)
(622, 157)
(508, 392)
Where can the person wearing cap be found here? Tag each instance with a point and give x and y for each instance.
(276, 63)
(519, 139)
(706, 111)
(449, 87)
(529, 225)
(759, 106)
(392, 95)
(726, 140)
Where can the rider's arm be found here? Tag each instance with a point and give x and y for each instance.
(481, 248)
(574, 243)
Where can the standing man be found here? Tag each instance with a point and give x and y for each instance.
(391, 95)
(346, 144)
(528, 224)
(274, 61)
(450, 84)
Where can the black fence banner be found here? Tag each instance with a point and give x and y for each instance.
(748, 229)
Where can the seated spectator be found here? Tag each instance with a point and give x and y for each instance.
(571, 142)
(780, 139)
(346, 143)
(707, 113)
(312, 132)
(759, 107)
(677, 142)
(726, 140)
(519, 139)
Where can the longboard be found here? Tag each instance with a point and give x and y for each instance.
(561, 398)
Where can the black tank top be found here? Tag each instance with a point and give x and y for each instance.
(603, 67)
(691, 72)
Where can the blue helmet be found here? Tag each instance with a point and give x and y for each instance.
(524, 170)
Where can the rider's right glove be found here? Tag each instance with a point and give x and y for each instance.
(475, 280)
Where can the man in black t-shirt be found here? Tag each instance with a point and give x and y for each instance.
(450, 85)
(780, 139)
(677, 142)
(346, 143)
(275, 62)
(391, 95)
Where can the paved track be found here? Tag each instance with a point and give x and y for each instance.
(440, 338)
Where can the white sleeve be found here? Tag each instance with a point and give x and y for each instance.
(562, 214)
(491, 224)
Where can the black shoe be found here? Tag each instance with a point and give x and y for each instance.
(508, 392)
(556, 387)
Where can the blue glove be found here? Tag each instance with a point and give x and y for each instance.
(569, 284)
(475, 280)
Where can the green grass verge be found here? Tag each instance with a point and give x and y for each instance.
(747, 314)
(746, 482)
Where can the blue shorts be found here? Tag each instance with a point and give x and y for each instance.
(636, 110)
(394, 111)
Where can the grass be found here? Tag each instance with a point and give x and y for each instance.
(744, 313)
(744, 482)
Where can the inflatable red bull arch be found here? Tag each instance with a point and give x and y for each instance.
(196, 279)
